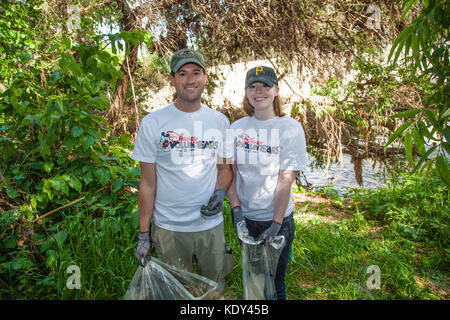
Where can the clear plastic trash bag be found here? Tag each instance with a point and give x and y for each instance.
(160, 281)
(259, 265)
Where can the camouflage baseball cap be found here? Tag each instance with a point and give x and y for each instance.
(183, 56)
(261, 74)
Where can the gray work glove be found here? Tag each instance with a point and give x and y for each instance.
(143, 247)
(236, 215)
(215, 204)
(270, 233)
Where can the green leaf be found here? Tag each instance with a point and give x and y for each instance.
(47, 188)
(11, 192)
(424, 130)
(407, 6)
(406, 114)
(400, 43)
(33, 202)
(76, 131)
(103, 175)
(74, 183)
(424, 158)
(397, 133)
(443, 171)
(10, 242)
(408, 147)
(87, 141)
(60, 237)
(67, 42)
(70, 143)
(431, 118)
(445, 115)
(446, 134)
(418, 140)
(118, 184)
(48, 166)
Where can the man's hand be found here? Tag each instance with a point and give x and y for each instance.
(215, 204)
(236, 215)
(269, 234)
(143, 247)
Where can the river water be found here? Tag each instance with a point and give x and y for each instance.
(341, 176)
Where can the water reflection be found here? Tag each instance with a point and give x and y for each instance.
(341, 176)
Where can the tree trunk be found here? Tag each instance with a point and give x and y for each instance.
(129, 22)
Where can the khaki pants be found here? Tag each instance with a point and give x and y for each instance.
(205, 248)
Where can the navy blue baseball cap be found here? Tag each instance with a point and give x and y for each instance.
(261, 74)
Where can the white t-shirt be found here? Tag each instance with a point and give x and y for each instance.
(185, 147)
(262, 148)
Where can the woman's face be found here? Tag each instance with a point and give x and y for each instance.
(261, 96)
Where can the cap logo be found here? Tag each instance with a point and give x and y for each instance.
(258, 69)
(186, 53)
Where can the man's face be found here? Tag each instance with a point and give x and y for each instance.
(189, 82)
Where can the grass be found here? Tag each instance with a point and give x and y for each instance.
(336, 241)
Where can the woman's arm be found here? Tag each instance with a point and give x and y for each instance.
(232, 193)
(282, 193)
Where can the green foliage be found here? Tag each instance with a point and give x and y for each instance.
(55, 143)
(402, 229)
(55, 151)
(362, 106)
(16, 35)
(425, 44)
(416, 206)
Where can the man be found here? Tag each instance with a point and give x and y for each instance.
(184, 176)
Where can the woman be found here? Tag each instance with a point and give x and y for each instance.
(270, 150)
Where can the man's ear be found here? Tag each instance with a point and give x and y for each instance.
(172, 80)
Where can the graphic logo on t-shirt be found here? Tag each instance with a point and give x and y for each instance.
(252, 144)
(174, 140)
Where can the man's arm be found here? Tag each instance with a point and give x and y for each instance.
(147, 193)
(224, 175)
(282, 193)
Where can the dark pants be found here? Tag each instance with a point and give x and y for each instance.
(255, 228)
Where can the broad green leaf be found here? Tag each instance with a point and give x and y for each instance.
(103, 175)
(74, 183)
(118, 184)
(397, 133)
(76, 131)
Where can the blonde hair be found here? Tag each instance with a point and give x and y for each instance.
(277, 106)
